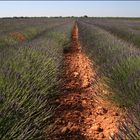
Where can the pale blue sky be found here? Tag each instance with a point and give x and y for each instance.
(70, 8)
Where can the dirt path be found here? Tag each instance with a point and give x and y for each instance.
(82, 114)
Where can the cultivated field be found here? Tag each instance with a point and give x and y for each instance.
(69, 79)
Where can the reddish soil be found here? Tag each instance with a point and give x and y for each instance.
(82, 114)
(18, 36)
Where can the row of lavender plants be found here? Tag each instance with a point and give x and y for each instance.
(119, 66)
(29, 82)
(14, 31)
(14, 24)
(127, 29)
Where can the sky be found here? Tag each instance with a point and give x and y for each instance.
(70, 8)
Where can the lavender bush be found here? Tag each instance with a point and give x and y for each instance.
(127, 29)
(29, 82)
(119, 66)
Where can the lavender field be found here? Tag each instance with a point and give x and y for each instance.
(32, 65)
